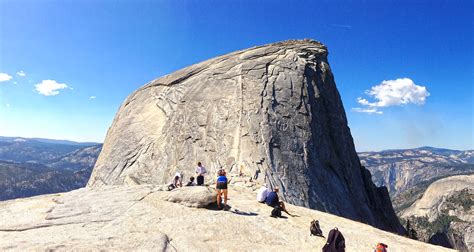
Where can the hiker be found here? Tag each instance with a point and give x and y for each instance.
(191, 181)
(335, 242)
(180, 176)
(273, 201)
(221, 187)
(200, 171)
(174, 184)
(262, 193)
(241, 171)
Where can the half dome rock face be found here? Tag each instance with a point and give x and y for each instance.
(272, 112)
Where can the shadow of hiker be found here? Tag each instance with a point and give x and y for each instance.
(280, 217)
(237, 211)
(214, 207)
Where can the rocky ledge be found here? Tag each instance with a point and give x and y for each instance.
(142, 218)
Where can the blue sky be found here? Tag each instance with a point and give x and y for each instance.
(78, 50)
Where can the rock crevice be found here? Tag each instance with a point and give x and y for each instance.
(272, 111)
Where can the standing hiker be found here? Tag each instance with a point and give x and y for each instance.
(200, 171)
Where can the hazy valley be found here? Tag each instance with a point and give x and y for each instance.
(30, 167)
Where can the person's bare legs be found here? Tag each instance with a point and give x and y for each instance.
(218, 198)
(283, 207)
(225, 196)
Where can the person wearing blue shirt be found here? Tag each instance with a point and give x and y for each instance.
(272, 198)
(221, 187)
(273, 201)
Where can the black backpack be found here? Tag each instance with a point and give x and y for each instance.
(335, 242)
(315, 229)
(276, 212)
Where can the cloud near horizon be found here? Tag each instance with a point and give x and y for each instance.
(392, 93)
(49, 87)
(5, 77)
(367, 110)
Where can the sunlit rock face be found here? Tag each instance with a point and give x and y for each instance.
(272, 112)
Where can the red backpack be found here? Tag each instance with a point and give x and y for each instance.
(381, 247)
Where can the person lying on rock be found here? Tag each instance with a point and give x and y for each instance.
(221, 187)
(273, 201)
(200, 171)
(191, 181)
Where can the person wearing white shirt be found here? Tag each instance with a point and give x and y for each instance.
(262, 193)
(179, 183)
(200, 171)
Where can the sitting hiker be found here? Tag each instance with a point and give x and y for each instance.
(262, 193)
(174, 184)
(200, 171)
(273, 201)
(221, 187)
(191, 181)
(180, 179)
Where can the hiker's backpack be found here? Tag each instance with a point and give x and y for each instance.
(335, 242)
(315, 229)
(381, 247)
(276, 212)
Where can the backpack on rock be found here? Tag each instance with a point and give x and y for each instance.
(381, 247)
(315, 229)
(335, 242)
(276, 212)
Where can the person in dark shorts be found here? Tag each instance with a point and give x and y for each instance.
(200, 171)
(221, 187)
(273, 201)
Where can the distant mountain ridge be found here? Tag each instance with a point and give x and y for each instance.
(401, 169)
(46, 140)
(37, 166)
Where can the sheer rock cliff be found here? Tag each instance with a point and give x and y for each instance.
(272, 112)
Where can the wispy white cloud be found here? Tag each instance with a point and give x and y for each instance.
(367, 110)
(5, 77)
(393, 93)
(342, 26)
(92, 98)
(8, 105)
(49, 87)
(21, 73)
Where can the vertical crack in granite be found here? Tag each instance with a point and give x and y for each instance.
(272, 110)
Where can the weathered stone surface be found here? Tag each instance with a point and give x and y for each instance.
(81, 220)
(192, 196)
(437, 193)
(401, 170)
(449, 198)
(131, 218)
(272, 109)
